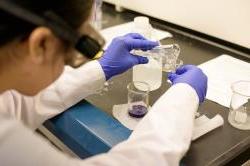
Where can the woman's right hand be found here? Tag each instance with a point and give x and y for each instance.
(193, 76)
(118, 59)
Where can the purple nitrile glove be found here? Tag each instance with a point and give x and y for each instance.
(193, 76)
(118, 59)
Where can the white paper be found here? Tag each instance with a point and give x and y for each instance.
(202, 125)
(201, 120)
(110, 33)
(222, 72)
(206, 125)
(120, 112)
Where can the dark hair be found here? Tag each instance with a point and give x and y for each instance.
(74, 12)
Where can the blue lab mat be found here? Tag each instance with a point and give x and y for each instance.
(87, 130)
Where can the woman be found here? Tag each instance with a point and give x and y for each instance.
(32, 60)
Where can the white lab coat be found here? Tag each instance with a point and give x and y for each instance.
(161, 139)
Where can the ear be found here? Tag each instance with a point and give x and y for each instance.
(42, 44)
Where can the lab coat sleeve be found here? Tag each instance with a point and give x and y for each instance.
(71, 87)
(161, 139)
(163, 136)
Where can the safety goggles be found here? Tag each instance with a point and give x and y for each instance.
(88, 45)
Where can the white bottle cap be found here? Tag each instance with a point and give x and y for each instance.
(141, 21)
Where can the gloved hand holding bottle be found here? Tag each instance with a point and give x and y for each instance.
(118, 59)
(193, 76)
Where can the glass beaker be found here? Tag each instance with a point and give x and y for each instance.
(138, 99)
(151, 73)
(174, 66)
(170, 54)
(97, 14)
(239, 114)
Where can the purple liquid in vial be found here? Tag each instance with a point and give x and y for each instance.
(138, 111)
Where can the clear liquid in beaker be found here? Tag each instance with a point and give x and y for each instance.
(150, 73)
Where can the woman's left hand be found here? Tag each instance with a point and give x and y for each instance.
(118, 59)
